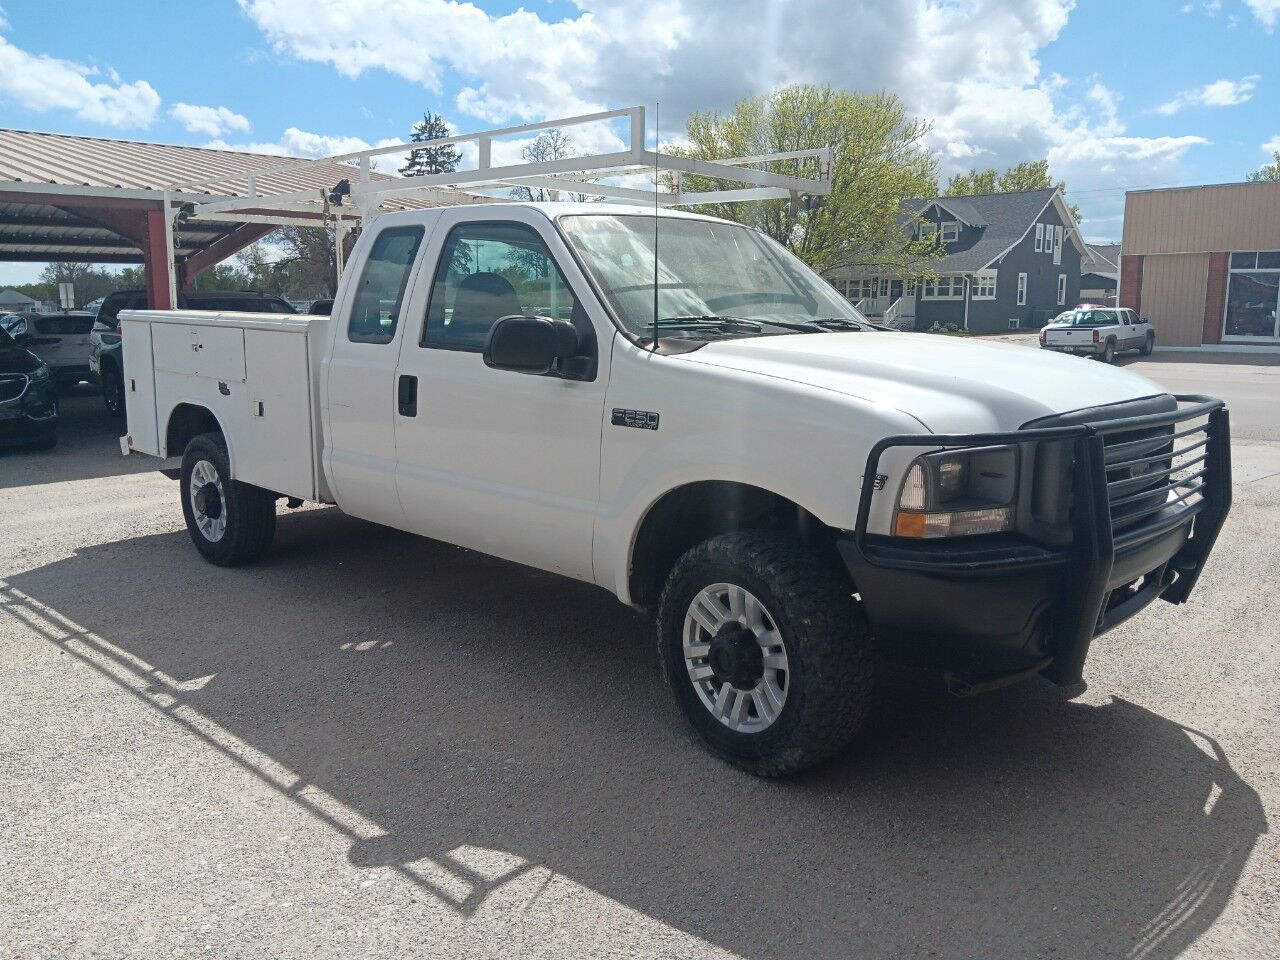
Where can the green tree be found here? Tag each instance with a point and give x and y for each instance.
(879, 160)
(426, 160)
(553, 144)
(1027, 175)
(90, 280)
(1270, 171)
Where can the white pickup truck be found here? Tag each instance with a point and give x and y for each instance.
(1100, 332)
(736, 451)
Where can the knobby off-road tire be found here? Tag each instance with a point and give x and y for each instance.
(231, 523)
(791, 594)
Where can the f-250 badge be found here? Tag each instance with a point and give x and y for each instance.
(640, 419)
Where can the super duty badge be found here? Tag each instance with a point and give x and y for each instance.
(640, 419)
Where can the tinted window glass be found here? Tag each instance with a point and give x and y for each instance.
(1244, 261)
(64, 326)
(380, 293)
(493, 270)
(1269, 261)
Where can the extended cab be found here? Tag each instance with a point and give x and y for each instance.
(1100, 332)
(711, 434)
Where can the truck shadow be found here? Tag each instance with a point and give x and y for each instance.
(449, 701)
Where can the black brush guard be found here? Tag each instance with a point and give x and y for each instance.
(1086, 601)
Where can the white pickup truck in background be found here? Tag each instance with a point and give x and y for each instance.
(1100, 332)
(737, 452)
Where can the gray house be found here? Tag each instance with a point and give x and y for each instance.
(1011, 261)
(11, 301)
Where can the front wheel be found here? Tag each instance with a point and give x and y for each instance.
(231, 523)
(766, 651)
(1149, 345)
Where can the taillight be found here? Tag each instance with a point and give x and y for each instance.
(1097, 336)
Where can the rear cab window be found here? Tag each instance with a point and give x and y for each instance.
(379, 296)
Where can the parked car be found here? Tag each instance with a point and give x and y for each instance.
(1100, 332)
(106, 362)
(59, 339)
(771, 478)
(28, 397)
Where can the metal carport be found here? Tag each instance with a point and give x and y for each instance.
(70, 198)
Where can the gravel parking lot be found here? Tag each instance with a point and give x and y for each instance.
(373, 745)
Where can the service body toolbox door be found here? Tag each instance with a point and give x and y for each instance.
(499, 461)
(139, 386)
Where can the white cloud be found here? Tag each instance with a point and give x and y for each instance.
(1267, 12)
(1272, 145)
(970, 66)
(39, 82)
(211, 121)
(1220, 93)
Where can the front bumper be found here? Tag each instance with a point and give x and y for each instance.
(982, 607)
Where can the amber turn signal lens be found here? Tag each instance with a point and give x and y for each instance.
(909, 524)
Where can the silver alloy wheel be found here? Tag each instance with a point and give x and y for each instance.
(736, 658)
(208, 504)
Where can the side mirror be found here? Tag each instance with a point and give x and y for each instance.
(529, 344)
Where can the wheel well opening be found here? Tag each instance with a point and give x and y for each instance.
(688, 515)
(186, 422)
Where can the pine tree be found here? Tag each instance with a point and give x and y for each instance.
(429, 160)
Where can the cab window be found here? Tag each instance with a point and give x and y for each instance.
(379, 295)
(493, 270)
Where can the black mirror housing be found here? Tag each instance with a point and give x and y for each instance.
(529, 344)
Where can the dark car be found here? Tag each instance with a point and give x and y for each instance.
(106, 359)
(28, 397)
(59, 339)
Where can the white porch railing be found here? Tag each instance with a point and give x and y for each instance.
(901, 314)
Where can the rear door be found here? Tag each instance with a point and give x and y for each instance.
(503, 462)
(359, 370)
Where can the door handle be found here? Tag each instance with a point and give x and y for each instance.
(407, 396)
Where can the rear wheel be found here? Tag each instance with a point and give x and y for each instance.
(231, 523)
(1109, 354)
(113, 391)
(766, 652)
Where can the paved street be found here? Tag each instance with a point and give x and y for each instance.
(373, 745)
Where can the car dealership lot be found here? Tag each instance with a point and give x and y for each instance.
(376, 745)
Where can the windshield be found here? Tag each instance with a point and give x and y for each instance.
(705, 269)
(1088, 318)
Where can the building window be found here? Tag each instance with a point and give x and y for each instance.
(1062, 289)
(1014, 323)
(1022, 289)
(984, 285)
(928, 229)
(950, 231)
(1039, 238)
(1057, 245)
(944, 288)
(909, 288)
(1253, 296)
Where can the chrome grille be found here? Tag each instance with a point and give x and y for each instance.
(1155, 475)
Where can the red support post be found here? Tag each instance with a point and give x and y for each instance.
(155, 263)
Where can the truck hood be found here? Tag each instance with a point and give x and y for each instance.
(948, 384)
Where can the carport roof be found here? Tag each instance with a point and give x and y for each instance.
(55, 189)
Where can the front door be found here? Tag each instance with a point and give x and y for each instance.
(503, 462)
(359, 374)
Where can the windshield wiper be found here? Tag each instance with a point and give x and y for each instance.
(838, 323)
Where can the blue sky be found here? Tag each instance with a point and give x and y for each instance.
(1139, 93)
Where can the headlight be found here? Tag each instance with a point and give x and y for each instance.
(40, 373)
(958, 493)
